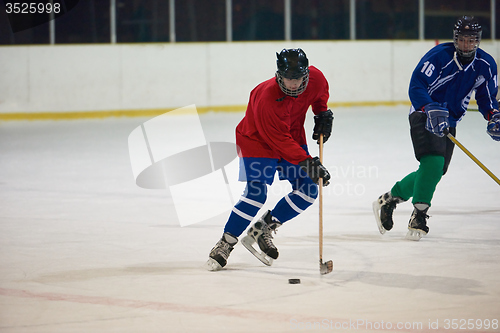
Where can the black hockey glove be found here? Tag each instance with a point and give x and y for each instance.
(323, 122)
(315, 170)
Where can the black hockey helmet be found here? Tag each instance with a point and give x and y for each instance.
(292, 64)
(467, 26)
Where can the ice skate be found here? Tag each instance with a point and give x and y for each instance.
(220, 252)
(383, 208)
(260, 233)
(417, 227)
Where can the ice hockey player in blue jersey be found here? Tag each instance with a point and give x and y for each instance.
(441, 87)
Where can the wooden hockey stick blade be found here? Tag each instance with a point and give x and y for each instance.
(325, 268)
(468, 153)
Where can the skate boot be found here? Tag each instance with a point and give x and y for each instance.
(220, 252)
(383, 209)
(260, 233)
(417, 227)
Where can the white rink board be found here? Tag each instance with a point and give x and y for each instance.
(65, 78)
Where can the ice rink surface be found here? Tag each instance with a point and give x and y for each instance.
(84, 249)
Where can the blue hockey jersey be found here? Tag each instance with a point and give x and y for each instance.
(440, 77)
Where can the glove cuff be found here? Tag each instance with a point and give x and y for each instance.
(435, 106)
(328, 114)
(305, 163)
(493, 113)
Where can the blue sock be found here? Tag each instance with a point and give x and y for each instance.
(244, 211)
(295, 202)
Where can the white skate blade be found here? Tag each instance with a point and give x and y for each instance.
(212, 265)
(415, 234)
(248, 242)
(376, 212)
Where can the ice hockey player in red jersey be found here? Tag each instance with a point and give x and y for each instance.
(271, 138)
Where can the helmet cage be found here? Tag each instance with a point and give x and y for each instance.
(289, 92)
(467, 27)
(292, 64)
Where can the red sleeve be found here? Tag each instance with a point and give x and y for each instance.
(320, 85)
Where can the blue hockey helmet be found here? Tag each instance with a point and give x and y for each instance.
(467, 26)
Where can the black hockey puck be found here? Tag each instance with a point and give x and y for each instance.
(294, 281)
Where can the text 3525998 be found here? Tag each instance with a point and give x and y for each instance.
(32, 8)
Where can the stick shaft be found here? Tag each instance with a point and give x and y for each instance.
(321, 201)
(468, 153)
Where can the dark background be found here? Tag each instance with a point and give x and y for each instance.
(140, 21)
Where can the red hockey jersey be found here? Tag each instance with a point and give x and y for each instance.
(273, 125)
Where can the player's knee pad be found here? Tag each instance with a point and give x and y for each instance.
(246, 208)
(252, 200)
(305, 194)
(432, 163)
(299, 200)
(307, 187)
(256, 191)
